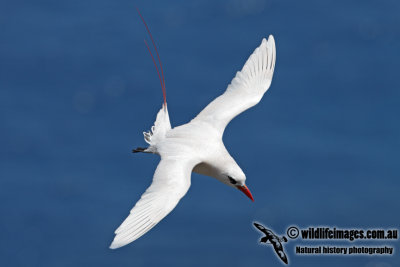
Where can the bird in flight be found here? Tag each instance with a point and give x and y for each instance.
(196, 146)
(274, 240)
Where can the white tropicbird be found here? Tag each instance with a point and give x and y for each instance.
(197, 146)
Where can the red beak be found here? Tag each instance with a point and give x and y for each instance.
(246, 191)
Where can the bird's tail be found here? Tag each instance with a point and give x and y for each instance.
(157, 133)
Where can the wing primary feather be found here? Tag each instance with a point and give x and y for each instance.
(137, 230)
(170, 183)
(134, 229)
(246, 89)
(130, 219)
(134, 217)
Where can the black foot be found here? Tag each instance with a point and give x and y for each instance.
(139, 149)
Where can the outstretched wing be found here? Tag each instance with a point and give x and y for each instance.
(170, 183)
(281, 254)
(262, 229)
(245, 90)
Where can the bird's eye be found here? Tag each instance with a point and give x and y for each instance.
(233, 181)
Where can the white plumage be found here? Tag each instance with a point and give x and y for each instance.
(197, 146)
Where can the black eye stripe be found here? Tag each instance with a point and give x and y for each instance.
(233, 181)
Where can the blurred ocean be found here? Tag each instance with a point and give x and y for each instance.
(78, 88)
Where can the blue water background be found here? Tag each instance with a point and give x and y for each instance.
(78, 88)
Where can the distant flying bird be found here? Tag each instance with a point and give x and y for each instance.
(274, 240)
(196, 146)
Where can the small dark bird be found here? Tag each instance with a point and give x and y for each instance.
(273, 240)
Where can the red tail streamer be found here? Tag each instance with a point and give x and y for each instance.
(162, 80)
(151, 54)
